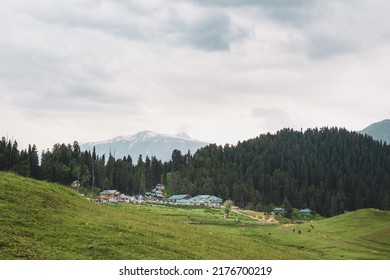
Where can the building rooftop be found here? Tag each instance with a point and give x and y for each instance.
(108, 192)
(178, 196)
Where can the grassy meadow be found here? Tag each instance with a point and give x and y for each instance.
(40, 220)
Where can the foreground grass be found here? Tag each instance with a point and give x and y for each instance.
(47, 221)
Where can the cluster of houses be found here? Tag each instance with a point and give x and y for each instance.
(157, 195)
(114, 196)
(199, 200)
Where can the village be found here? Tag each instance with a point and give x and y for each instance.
(158, 196)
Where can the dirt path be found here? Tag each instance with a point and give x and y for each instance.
(259, 217)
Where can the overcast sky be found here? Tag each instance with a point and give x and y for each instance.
(221, 71)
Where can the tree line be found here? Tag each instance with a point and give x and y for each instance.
(329, 170)
(66, 163)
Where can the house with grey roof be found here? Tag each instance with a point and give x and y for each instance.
(175, 198)
(307, 212)
(109, 194)
(279, 211)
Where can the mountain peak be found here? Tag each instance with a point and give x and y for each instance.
(183, 135)
(146, 134)
(379, 130)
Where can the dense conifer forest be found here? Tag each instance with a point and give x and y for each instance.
(329, 170)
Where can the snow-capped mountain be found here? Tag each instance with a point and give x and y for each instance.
(145, 143)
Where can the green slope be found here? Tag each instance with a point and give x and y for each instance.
(40, 220)
(362, 234)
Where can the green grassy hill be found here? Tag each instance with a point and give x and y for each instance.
(41, 220)
(362, 234)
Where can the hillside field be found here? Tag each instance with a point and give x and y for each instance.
(40, 220)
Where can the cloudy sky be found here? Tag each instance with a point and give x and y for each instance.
(221, 71)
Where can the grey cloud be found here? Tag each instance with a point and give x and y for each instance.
(333, 28)
(287, 11)
(213, 33)
(40, 84)
(298, 12)
(346, 27)
(330, 28)
(254, 3)
(216, 30)
(69, 99)
(36, 84)
(90, 19)
(323, 46)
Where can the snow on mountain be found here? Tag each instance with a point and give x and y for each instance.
(145, 143)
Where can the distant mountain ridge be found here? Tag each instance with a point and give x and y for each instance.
(145, 143)
(379, 131)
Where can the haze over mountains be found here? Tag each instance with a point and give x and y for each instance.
(147, 143)
(379, 131)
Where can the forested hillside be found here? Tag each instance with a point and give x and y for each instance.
(329, 170)
(66, 163)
